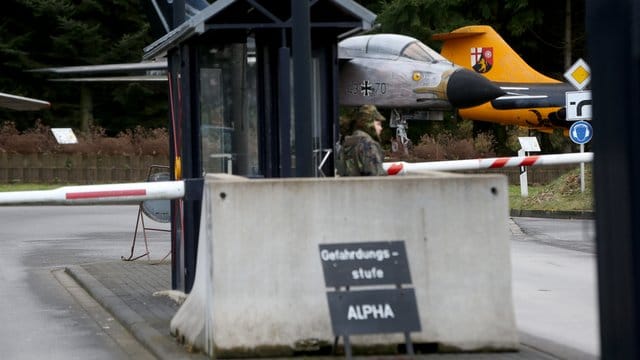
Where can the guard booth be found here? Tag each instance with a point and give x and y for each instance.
(253, 92)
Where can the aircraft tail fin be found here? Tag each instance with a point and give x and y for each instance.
(481, 48)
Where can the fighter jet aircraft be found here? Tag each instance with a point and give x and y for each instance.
(391, 71)
(532, 100)
(387, 70)
(400, 72)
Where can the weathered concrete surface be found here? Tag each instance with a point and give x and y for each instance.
(259, 283)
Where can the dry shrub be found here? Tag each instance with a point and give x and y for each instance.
(484, 145)
(32, 141)
(39, 139)
(151, 141)
(119, 145)
(445, 146)
(429, 149)
(461, 149)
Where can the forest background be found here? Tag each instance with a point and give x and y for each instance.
(35, 34)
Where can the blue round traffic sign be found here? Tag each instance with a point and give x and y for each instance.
(580, 132)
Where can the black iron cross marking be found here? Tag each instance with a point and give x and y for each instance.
(365, 88)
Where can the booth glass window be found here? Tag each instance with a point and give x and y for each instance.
(228, 115)
(314, 115)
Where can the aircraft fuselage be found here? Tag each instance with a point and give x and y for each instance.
(398, 84)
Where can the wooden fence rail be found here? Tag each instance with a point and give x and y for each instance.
(75, 168)
(91, 169)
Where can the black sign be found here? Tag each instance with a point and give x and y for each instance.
(365, 263)
(373, 311)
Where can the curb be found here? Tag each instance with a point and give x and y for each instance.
(157, 343)
(586, 214)
(162, 346)
(553, 348)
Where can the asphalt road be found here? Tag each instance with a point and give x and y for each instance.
(555, 285)
(39, 318)
(553, 270)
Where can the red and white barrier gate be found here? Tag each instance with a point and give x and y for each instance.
(401, 168)
(142, 191)
(98, 194)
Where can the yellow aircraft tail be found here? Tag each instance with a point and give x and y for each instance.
(481, 48)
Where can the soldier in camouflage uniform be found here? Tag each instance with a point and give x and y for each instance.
(360, 153)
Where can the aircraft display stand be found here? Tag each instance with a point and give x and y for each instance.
(157, 210)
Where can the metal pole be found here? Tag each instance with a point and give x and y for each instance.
(615, 25)
(284, 110)
(301, 36)
(582, 170)
(524, 185)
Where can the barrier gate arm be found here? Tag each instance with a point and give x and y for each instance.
(402, 167)
(98, 194)
(168, 190)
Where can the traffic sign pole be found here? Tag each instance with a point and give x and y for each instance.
(581, 170)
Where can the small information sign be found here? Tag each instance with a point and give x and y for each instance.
(529, 143)
(64, 135)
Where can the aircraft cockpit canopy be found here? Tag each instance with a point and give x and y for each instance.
(387, 46)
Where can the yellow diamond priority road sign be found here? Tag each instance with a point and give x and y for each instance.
(579, 74)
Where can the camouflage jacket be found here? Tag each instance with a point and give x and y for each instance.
(360, 155)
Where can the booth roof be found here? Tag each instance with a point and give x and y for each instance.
(196, 24)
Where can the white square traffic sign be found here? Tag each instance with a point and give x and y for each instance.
(579, 105)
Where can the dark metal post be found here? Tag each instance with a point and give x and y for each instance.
(301, 41)
(614, 47)
(177, 241)
(191, 162)
(284, 110)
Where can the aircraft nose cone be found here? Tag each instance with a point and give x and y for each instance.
(466, 89)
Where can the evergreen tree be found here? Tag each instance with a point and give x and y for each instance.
(50, 33)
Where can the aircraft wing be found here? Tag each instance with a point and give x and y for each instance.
(160, 65)
(141, 78)
(20, 103)
(146, 71)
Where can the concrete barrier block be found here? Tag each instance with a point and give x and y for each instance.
(259, 286)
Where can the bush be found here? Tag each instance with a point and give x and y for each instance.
(446, 146)
(40, 139)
